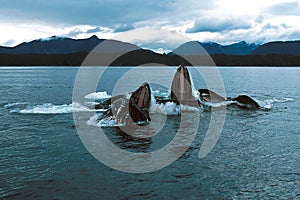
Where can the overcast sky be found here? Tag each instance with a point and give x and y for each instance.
(222, 21)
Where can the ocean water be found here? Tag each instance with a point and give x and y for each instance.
(42, 156)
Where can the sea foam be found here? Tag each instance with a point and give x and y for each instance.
(98, 95)
(49, 108)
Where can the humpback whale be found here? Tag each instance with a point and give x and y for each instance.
(247, 102)
(134, 108)
(243, 101)
(128, 109)
(210, 96)
(181, 89)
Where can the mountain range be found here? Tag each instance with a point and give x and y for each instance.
(212, 48)
(59, 45)
(69, 51)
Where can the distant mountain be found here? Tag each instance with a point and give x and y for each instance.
(283, 48)
(58, 45)
(212, 48)
(57, 51)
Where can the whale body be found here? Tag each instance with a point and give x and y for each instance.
(181, 89)
(247, 102)
(128, 109)
(243, 101)
(210, 96)
(134, 107)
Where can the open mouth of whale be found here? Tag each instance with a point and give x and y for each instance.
(210, 96)
(181, 85)
(139, 104)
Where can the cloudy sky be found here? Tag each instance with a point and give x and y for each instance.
(222, 21)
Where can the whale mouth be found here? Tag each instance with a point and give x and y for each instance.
(181, 85)
(210, 96)
(139, 104)
(142, 96)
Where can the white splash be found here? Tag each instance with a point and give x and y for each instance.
(98, 95)
(169, 108)
(105, 122)
(268, 104)
(218, 104)
(10, 105)
(49, 108)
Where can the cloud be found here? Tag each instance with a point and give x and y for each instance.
(218, 25)
(286, 8)
(259, 19)
(75, 32)
(106, 13)
(86, 31)
(9, 42)
(270, 26)
(123, 28)
(155, 39)
(95, 30)
(215, 20)
(259, 34)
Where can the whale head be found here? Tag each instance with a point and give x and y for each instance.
(246, 102)
(181, 85)
(139, 104)
(210, 96)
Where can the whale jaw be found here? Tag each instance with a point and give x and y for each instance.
(139, 104)
(181, 89)
(128, 109)
(210, 96)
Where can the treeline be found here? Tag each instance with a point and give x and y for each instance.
(42, 59)
(145, 57)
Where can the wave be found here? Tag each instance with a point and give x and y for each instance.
(284, 100)
(11, 105)
(216, 105)
(105, 122)
(169, 108)
(172, 109)
(264, 104)
(268, 104)
(49, 108)
(159, 94)
(98, 95)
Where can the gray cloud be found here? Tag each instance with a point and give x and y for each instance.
(259, 35)
(93, 12)
(106, 17)
(218, 25)
(270, 26)
(95, 30)
(289, 8)
(123, 28)
(78, 31)
(75, 32)
(294, 35)
(259, 19)
(9, 42)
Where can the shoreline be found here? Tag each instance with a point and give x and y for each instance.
(143, 58)
(61, 66)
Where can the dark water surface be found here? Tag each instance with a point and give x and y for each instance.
(42, 156)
